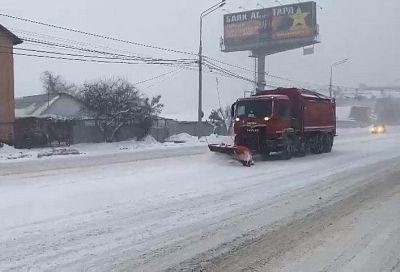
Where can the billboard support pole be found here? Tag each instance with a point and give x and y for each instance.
(255, 74)
(260, 70)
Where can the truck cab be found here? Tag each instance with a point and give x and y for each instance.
(261, 119)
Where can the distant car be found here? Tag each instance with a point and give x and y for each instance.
(378, 129)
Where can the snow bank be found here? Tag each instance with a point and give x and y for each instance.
(7, 149)
(58, 152)
(149, 140)
(10, 153)
(189, 139)
(182, 138)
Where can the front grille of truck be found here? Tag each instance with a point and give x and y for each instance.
(253, 138)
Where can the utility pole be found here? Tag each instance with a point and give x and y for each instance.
(200, 106)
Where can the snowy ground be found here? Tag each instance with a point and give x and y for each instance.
(9, 154)
(178, 207)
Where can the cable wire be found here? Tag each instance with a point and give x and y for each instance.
(95, 35)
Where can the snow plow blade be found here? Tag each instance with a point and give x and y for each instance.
(240, 153)
(222, 148)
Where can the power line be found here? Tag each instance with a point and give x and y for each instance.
(55, 39)
(52, 44)
(77, 59)
(159, 61)
(97, 57)
(111, 56)
(157, 77)
(75, 48)
(227, 72)
(95, 35)
(94, 58)
(140, 44)
(171, 76)
(216, 60)
(67, 54)
(267, 74)
(57, 43)
(69, 41)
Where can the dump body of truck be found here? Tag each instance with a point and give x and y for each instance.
(312, 110)
(287, 120)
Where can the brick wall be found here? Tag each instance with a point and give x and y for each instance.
(7, 104)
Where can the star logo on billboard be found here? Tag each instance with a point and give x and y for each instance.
(299, 19)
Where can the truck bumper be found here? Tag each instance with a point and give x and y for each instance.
(260, 145)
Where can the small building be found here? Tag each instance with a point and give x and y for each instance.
(7, 116)
(50, 118)
(59, 105)
(47, 118)
(64, 119)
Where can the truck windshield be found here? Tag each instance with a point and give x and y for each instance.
(259, 109)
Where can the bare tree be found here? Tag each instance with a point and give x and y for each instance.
(117, 103)
(55, 84)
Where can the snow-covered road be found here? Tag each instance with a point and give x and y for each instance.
(187, 209)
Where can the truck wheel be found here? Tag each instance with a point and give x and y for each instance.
(321, 144)
(302, 149)
(287, 153)
(315, 145)
(266, 156)
(328, 143)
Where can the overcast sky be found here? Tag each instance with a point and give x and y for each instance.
(366, 31)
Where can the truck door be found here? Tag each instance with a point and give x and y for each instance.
(283, 114)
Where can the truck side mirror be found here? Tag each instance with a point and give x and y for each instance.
(233, 110)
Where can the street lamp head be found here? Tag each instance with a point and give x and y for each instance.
(213, 8)
(340, 62)
(333, 65)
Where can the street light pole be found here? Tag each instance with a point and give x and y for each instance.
(200, 108)
(331, 78)
(203, 14)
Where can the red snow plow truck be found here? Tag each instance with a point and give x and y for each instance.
(289, 121)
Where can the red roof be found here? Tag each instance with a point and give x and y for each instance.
(13, 37)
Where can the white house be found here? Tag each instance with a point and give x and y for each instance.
(60, 105)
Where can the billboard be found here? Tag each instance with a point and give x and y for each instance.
(271, 29)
